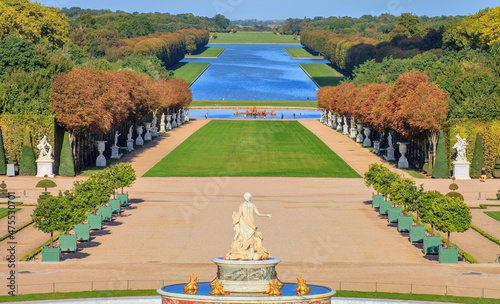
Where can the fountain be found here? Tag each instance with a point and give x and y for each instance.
(246, 273)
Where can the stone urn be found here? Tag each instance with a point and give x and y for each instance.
(101, 160)
(352, 129)
(367, 142)
(169, 125)
(339, 123)
(139, 141)
(174, 120)
(359, 136)
(403, 161)
(187, 115)
(334, 121)
(147, 136)
(345, 127)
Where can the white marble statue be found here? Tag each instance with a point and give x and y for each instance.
(389, 141)
(116, 139)
(460, 146)
(247, 242)
(129, 135)
(44, 153)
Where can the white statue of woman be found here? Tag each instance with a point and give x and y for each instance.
(154, 121)
(116, 138)
(244, 243)
(389, 141)
(129, 135)
(162, 121)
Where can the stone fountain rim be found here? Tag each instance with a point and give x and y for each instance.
(269, 262)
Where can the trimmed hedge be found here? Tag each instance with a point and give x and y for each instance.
(67, 164)
(3, 166)
(486, 235)
(478, 158)
(441, 168)
(28, 164)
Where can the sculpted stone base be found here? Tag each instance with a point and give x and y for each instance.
(45, 167)
(461, 170)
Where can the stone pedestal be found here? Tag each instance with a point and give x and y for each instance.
(334, 121)
(345, 127)
(246, 276)
(169, 125)
(376, 146)
(115, 152)
(130, 144)
(139, 141)
(461, 170)
(359, 136)
(322, 119)
(367, 142)
(147, 136)
(162, 128)
(389, 154)
(179, 116)
(45, 167)
(101, 160)
(339, 123)
(187, 117)
(403, 161)
(352, 132)
(174, 120)
(155, 131)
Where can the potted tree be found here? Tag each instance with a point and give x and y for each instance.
(425, 209)
(451, 215)
(387, 178)
(124, 176)
(371, 177)
(403, 193)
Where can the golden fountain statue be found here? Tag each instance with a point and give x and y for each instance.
(273, 289)
(218, 291)
(302, 288)
(278, 282)
(191, 287)
(255, 112)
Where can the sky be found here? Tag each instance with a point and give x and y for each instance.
(283, 9)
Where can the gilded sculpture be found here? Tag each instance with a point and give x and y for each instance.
(191, 287)
(273, 289)
(218, 291)
(278, 282)
(302, 288)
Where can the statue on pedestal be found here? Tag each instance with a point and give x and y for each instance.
(247, 243)
(45, 163)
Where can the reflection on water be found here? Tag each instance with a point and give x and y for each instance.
(254, 72)
(229, 114)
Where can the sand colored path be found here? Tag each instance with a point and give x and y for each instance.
(323, 228)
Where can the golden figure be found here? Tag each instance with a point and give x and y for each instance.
(218, 291)
(273, 289)
(302, 288)
(212, 283)
(191, 287)
(278, 282)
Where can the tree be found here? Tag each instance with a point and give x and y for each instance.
(477, 163)
(3, 167)
(122, 174)
(28, 164)
(56, 213)
(411, 22)
(451, 215)
(221, 22)
(424, 207)
(66, 163)
(403, 192)
(214, 35)
(441, 168)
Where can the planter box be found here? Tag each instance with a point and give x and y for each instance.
(376, 200)
(82, 232)
(448, 255)
(115, 206)
(404, 223)
(431, 244)
(67, 242)
(95, 221)
(417, 234)
(123, 198)
(105, 212)
(51, 254)
(393, 214)
(384, 207)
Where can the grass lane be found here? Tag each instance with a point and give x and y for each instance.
(190, 71)
(323, 74)
(253, 37)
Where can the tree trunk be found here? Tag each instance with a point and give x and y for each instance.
(448, 243)
(52, 239)
(122, 190)
(433, 139)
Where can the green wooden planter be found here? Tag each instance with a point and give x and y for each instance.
(123, 198)
(404, 223)
(376, 200)
(95, 221)
(384, 207)
(67, 243)
(51, 254)
(417, 234)
(448, 255)
(105, 212)
(82, 232)
(431, 244)
(393, 214)
(115, 206)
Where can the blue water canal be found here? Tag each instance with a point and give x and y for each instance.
(254, 72)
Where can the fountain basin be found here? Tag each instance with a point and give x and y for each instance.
(174, 294)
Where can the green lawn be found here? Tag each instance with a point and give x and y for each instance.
(250, 103)
(207, 52)
(493, 214)
(189, 70)
(252, 148)
(323, 74)
(253, 37)
(297, 52)
(153, 292)
(5, 211)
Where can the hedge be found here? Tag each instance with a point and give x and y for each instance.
(3, 166)
(66, 164)
(477, 162)
(441, 168)
(28, 165)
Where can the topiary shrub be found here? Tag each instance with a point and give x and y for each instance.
(478, 159)
(456, 195)
(496, 170)
(45, 183)
(441, 168)
(28, 164)
(66, 163)
(3, 166)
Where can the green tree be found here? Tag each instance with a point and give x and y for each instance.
(122, 175)
(221, 21)
(403, 192)
(424, 207)
(478, 158)
(56, 213)
(3, 167)
(441, 168)
(28, 164)
(411, 22)
(451, 215)
(66, 163)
